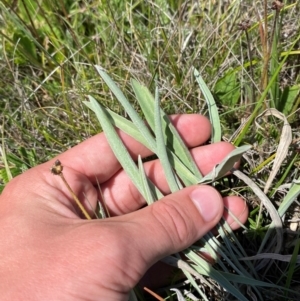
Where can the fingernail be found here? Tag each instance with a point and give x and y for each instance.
(207, 201)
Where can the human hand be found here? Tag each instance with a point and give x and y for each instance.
(49, 253)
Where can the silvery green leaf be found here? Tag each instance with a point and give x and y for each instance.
(129, 128)
(119, 149)
(136, 119)
(276, 220)
(226, 165)
(116, 144)
(212, 108)
(147, 190)
(175, 145)
(170, 175)
(206, 269)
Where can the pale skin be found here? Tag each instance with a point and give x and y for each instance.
(49, 252)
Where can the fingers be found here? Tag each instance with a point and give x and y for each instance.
(95, 159)
(177, 221)
(122, 197)
(236, 211)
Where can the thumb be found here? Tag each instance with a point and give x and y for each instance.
(174, 222)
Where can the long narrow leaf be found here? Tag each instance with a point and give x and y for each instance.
(116, 144)
(120, 150)
(125, 125)
(129, 128)
(212, 108)
(161, 147)
(289, 198)
(276, 221)
(174, 142)
(136, 119)
(214, 274)
(258, 106)
(147, 190)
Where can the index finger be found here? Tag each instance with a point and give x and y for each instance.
(95, 159)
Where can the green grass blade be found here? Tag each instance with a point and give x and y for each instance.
(4, 160)
(289, 198)
(292, 265)
(212, 108)
(248, 281)
(258, 106)
(274, 63)
(290, 165)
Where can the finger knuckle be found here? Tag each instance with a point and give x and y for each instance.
(174, 220)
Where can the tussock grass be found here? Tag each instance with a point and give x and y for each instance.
(247, 53)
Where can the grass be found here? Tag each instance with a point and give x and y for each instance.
(48, 50)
